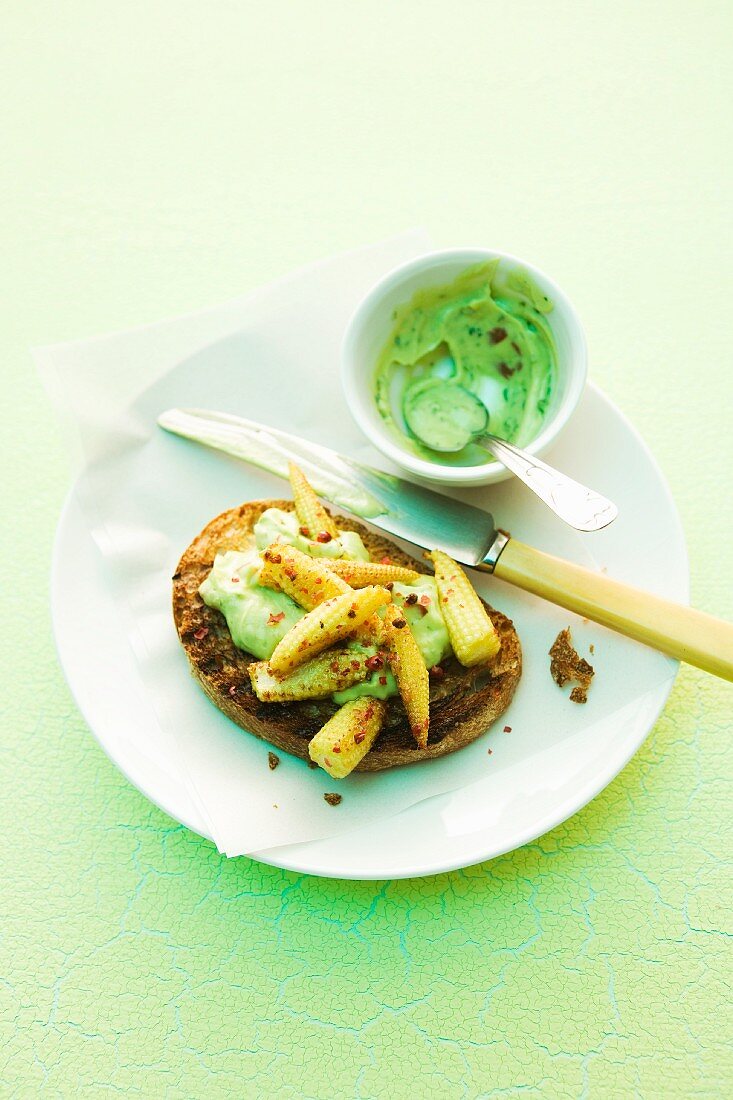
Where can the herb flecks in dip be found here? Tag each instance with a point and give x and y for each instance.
(487, 332)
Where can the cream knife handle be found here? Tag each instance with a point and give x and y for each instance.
(672, 628)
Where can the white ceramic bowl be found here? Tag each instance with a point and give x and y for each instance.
(371, 325)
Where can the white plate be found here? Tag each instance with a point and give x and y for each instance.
(541, 774)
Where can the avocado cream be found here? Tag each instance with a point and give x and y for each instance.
(276, 525)
(257, 617)
(486, 333)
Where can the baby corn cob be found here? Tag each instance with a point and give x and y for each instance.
(410, 672)
(311, 514)
(306, 580)
(332, 671)
(470, 629)
(360, 573)
(324, 626)
(348, 736)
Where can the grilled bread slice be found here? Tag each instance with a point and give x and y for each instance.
(463, 702)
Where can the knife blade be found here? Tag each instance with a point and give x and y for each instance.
(397, 506)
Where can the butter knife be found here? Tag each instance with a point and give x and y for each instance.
(469, 535)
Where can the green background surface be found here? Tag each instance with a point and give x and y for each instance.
(157, 157)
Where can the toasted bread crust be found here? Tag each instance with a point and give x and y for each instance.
(463, 704)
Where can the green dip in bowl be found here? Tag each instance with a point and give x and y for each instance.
(475, 333)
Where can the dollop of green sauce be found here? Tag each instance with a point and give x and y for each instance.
(276, 525)
(252, 611)
(487, 332)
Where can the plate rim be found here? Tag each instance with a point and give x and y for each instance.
(654, 700)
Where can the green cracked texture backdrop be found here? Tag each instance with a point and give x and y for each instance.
(158, 157)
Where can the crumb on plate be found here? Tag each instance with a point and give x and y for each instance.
(566, 664)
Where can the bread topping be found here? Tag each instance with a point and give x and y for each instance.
(422, 611)
(258, 617)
